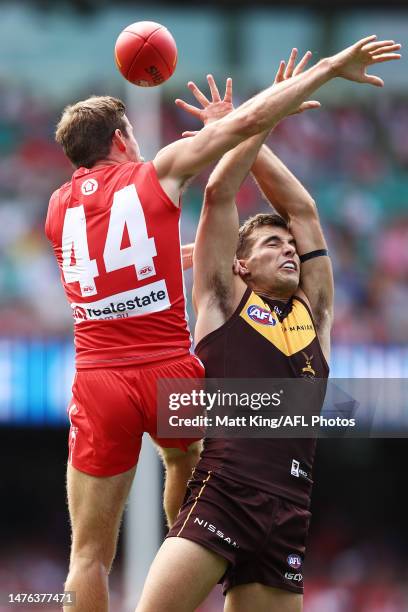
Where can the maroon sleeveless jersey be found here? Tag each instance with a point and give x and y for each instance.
(264, 339)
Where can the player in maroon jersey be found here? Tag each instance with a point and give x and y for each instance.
(246, 515)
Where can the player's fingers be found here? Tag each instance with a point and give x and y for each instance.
(187, 134)
(189, 108)
(228, 90)
(360, 43)
(371, 79)
(198, 94)
(280, 75)
(291, 63)
(301, 65)
(213, 88)
(377, 44)
(386, 49)
(309, 105)
(385, 57)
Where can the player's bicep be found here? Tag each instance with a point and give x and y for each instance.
(316, 281)
(316, 275)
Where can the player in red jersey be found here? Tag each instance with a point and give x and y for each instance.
(114, 230)
(245, 516)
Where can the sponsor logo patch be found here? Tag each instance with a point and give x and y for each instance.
(213, 529)
(294, 577)
(294, 561)
(145, 300)
(296, 470)
(89, 186)
(260, 315)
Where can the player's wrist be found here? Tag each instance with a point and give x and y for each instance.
(332, 65)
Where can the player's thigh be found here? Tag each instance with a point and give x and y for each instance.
(259, 598)
(96, 506)
(181, 576)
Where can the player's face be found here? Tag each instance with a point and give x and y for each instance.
(273, 263)
(132, 148)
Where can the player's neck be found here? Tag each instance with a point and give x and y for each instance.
(114, 157)
(109, 161)
(273, 295)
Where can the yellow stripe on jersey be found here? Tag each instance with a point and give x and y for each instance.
(291, 335)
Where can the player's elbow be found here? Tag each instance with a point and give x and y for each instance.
(304, 208)
(216, 192)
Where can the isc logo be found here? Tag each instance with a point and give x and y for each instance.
(260, 315)
(295, 577)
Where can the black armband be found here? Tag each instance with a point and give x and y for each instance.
(318, 253)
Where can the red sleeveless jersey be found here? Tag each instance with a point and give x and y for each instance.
(115, 235)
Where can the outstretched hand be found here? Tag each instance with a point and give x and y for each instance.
(353, 62)
(216, 108)
(289, 70)
(211, 110)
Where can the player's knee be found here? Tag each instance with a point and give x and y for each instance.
(92, 556)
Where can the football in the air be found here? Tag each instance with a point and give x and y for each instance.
(146, 53)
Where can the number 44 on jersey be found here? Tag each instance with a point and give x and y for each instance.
(77, 266)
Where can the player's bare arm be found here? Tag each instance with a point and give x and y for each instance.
(181, 160)
(217, 290)
(293, 202)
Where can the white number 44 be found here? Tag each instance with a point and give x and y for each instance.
(127, 212)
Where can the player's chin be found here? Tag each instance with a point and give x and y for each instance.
(289, 279)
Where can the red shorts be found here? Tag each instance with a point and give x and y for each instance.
(111, 409)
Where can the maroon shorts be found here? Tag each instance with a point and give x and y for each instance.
(110, 410)
(261, 535)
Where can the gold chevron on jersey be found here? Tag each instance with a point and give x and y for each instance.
(291, 335)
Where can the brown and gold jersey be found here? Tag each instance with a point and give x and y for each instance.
(265, 339)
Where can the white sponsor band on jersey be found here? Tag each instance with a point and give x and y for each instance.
(133, 303)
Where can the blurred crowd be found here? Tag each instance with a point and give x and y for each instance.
(354, 580)
(353, 159)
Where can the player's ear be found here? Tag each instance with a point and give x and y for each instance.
(119, 140)
(240, 268)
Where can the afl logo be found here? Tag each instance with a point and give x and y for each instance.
(89, 186)
(260, 315)
(146, 270)
(294, 561)
(79, 313)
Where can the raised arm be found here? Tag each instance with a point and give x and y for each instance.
(217, 290)
(183, 159)
(292, 201)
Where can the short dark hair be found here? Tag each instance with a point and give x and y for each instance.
(247, 229)
(86, 128)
